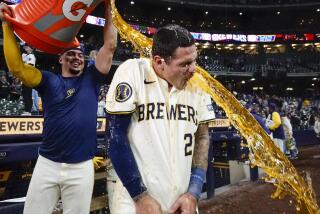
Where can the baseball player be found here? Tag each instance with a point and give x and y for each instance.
(158, 128)
(70, 100)
(29, 58)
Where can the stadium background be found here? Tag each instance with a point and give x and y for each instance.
(262, 50)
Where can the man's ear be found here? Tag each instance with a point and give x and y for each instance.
(158, 62)
(60, 59)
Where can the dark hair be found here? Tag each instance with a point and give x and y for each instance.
(273, 106)
(72, 48)
(169, 38)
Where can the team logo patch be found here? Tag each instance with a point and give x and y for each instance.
(70, 92)
(123, 92)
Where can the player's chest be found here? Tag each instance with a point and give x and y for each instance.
(157, 104)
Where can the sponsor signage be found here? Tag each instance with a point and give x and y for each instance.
(201, 36)
(18, 126)
(10, 126)
(222, 37)
(261, 38)
(220, 123)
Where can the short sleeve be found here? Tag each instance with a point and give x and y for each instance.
(121, 96)
(99, 77)
(206, 110)
(45, 81)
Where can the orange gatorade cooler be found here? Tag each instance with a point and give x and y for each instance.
(50, 25)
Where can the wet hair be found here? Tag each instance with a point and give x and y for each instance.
(168, 39)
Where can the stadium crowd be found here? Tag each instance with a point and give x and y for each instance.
(293, 61)
(303, 113)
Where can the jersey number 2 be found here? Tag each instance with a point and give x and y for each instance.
(188, 141)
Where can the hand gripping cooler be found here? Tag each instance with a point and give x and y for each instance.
(50, 25)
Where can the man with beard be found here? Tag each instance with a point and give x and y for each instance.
(70, 100)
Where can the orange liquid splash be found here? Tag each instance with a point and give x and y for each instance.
(263, 152)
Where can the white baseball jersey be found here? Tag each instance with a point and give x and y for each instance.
(161, 133)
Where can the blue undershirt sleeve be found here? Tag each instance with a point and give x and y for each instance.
(196, 182)
(121, 154)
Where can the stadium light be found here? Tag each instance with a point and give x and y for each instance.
(132, 2)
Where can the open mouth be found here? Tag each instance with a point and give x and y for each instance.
(76, 64)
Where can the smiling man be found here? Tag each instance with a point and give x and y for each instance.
(159, 128)
(70, 101)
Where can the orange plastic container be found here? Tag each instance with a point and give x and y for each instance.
(50, 25)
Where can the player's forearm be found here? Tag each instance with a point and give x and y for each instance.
(199, 161)
(104, 57)
(110, 33)
(121, 155)
(201, 147)
(11, 50)
(29, 75)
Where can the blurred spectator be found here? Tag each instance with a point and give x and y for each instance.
(92, 57)
(15, 89)
(252, 108)
(4, 87)
(101, 106)
(290, 142)
(316, 127)
(274, 124)
(28, 58)
(35, 101)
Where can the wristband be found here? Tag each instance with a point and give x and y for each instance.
(196, 182)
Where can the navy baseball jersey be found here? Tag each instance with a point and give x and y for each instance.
(70, 115)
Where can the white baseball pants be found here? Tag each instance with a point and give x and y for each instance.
(52, 180)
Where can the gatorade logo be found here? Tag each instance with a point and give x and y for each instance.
(74, 10)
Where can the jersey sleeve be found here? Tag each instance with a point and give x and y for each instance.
(47, 82)
(206, 110)
(97, 76)
(121, 97)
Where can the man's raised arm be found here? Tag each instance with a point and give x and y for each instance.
(29, 75)
(105, 54)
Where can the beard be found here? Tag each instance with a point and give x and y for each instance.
(74, 71)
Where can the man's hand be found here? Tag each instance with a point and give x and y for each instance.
(147, 205)
(185, 204)
(5, 9)
(98, 162)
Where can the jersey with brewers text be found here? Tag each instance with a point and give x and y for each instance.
(162, 129)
